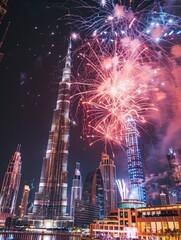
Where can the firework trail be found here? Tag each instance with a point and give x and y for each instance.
(123, 190)
(124, 65)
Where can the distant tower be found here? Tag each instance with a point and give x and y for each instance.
(135, 163)
(108, 172)
(76, 191)
(11, 183)
(31, 195)
(24, 201)
(93, 191)
(51, 199)
(175, 167)
(163, 199)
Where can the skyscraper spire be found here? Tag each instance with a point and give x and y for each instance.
(10, 186)
(51, 198)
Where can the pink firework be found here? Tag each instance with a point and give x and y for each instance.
(123, 66)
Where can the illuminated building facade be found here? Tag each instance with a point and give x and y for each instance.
(162, 222)
(108, 173)
(76, 191)
(10, 186)
(24, 201)
(51, 199)
(135, 163)
(120, 223)
(134, 220)
(93, 191)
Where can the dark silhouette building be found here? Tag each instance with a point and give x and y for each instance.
(85, 213)
(93, 191)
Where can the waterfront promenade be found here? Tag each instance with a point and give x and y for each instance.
(29, 235)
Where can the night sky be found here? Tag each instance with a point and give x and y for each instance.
(34, 51)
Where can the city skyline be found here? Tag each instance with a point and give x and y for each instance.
(32, 132)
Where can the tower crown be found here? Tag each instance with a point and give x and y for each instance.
(67, 69)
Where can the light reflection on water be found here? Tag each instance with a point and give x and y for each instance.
(19, 236)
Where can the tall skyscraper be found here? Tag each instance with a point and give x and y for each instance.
(10, 186)
(93, 191)
(108, 172)
(98, 192)
(24, 201)
(51, 199)
(76, 191)
(135, 163)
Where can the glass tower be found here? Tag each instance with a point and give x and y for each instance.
(137, 189)
(93, 191)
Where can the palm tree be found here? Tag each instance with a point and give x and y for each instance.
(173, 233)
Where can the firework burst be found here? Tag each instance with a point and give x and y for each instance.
(123, 62)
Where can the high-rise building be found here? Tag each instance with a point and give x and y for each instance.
(51, 198)
(98, 192)
(135, 163)
(87, 187)
(108, 173)
(76, 191)
(10, 186)
(93, 191)
(24, 201)
(175, 167)
(85, 213)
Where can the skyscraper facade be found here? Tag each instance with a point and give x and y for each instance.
(135, 163)
(10, 186)
(98, 192)
(76, 190)
(24, 201)
(108, 173)
(51, 199)
(93, 191)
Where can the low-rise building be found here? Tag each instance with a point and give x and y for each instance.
(132, 219)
